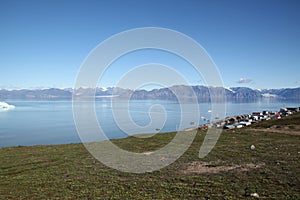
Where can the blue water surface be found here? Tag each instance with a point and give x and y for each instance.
(51, 122)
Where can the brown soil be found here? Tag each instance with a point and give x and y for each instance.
(199, 167)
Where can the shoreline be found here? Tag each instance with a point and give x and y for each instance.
(240, 121)
(232, 122)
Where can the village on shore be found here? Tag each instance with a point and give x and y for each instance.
(241, 121)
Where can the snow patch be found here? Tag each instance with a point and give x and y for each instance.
(103, 89)
(231, 90)
(268, 95)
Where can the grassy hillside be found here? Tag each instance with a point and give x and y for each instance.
(231, 171)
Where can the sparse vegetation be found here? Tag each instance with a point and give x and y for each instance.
(231, 171)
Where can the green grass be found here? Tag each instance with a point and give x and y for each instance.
(70, 172)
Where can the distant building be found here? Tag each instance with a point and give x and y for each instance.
(293, 109)
(257, 113)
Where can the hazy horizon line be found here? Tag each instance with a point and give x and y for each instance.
(104, 87)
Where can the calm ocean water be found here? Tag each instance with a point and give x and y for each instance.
(51, 122)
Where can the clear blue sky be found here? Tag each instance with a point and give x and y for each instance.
(253, 43)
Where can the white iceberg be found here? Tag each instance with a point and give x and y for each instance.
(5, 106)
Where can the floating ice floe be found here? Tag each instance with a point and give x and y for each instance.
(5, 106)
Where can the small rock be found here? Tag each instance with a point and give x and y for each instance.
(254, 195)
(148, 153)
(252, 147)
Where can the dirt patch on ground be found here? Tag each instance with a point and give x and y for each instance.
(199, 167)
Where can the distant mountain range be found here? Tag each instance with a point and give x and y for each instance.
(203, 93)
